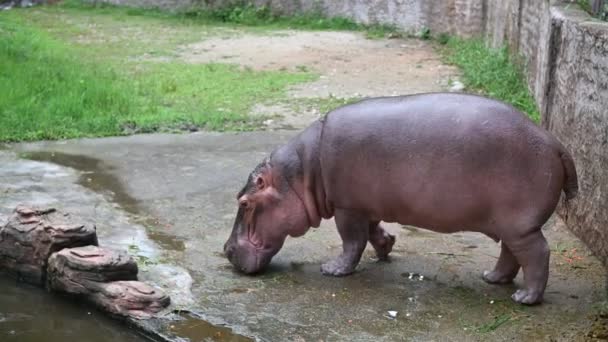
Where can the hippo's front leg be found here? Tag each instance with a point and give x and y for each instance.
(354, 231)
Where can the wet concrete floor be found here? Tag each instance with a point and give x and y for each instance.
(182, 189)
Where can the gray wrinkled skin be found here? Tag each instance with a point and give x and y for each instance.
(470, 163)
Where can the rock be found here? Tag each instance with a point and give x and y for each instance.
(174, 280)
(107, 278)
(130, 298)
(30, 237)
(456, 86)
(73, 269)
(7, 5)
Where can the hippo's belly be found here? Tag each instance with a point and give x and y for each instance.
(452, 168)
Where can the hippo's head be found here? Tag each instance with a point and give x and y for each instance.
(269, 210)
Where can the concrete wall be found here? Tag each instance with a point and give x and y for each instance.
(565, 53)
(462, 17)
(577, 113)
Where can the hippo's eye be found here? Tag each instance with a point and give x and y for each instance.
(244, 203)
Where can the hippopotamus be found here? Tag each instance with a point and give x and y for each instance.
(445, 162)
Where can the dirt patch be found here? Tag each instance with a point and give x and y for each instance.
(349, 66)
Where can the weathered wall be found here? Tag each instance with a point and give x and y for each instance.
(461, 17)
(565, 53)
(577, 113)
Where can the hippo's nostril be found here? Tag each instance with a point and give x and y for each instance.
(228, 251)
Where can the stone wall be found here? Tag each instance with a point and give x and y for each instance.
(576, 112)
(564, 51)
(461, 17)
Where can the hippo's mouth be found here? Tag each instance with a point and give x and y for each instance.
(254, 240)
(250, 259)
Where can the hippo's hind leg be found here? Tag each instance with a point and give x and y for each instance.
(354, 231)
(506, 268)
(381, 240)
(532, 253)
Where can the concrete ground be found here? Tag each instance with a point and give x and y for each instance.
(170, 201)
(182, 189)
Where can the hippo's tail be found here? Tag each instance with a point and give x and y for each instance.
(571, 181)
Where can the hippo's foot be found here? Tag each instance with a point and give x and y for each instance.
(532, 253)
(524, 296)
(381, 240)
(495, 277)
(506, 268)
(338, 267)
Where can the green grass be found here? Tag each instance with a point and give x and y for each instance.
(493, 324)
(51, 89)
(45, 93)
(586, 5)
(216, 96)
(490, 72)
(242, 14)
(322, 105)
(79, 70)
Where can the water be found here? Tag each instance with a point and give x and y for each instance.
(29, 313)
(196, 329)
(98, 176)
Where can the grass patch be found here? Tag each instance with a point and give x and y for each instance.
(490, 72)
(45, 93)
(586, 5)
(215, 96)
(494, 324)
(322, 105)
(51, 90)
(243, 14)
(493, 314)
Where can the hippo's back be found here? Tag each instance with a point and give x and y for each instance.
(410, 157)
(437, 112)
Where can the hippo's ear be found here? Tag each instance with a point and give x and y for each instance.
(260, 183)
(263, 179)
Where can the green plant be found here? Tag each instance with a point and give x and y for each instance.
(601, 14)
(53, 90)
(491, 72)
(240, 13)
(247, 14)
(425, 33)
(494, 324)
(46, 93)
(443, 38)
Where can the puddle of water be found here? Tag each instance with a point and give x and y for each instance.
(97, 176)
(166, 241)
(29, 314)
(196, 329)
